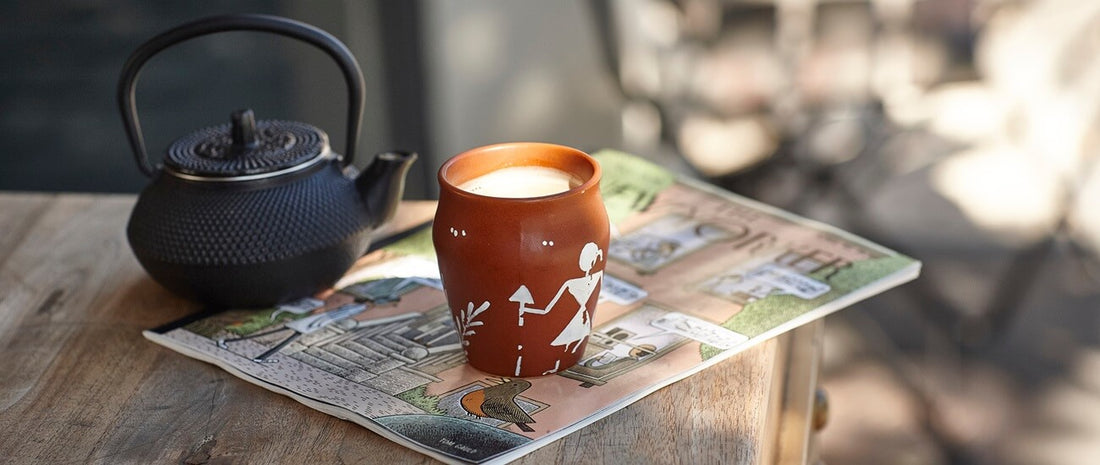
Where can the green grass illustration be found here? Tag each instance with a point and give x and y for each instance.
(239, 322)
(417, 397)
(629, 184)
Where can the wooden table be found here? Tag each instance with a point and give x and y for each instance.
(80, 384)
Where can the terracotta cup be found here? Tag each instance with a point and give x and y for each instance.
(521, 275)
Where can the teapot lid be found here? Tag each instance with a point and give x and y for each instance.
(246, 148)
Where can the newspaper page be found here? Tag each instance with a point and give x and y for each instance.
(694, 276)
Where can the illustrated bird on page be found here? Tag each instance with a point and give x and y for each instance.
(499, 402)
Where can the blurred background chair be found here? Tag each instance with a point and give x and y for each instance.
(962, 132)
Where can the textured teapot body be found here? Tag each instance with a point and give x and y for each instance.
(249, 244)
(254, 213)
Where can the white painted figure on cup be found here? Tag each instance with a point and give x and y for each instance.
(581, 288)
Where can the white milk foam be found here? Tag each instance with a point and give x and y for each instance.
(518, 182)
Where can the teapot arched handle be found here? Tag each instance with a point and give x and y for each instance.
(332, 46)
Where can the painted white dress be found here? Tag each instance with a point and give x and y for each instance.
(581, 324)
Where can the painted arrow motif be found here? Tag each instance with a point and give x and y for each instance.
(522, 296)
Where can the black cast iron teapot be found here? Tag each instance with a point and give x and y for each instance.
(253, 213)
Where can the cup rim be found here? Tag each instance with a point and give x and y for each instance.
(592, 181)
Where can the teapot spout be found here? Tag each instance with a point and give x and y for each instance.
(382, 184)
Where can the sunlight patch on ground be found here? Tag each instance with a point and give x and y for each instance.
(719, 147)
(1010, 194)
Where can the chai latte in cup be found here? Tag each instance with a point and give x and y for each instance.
(516, 182)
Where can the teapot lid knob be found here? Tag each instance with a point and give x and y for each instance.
(243, 131)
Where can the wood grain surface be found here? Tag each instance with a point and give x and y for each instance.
(79, 383)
